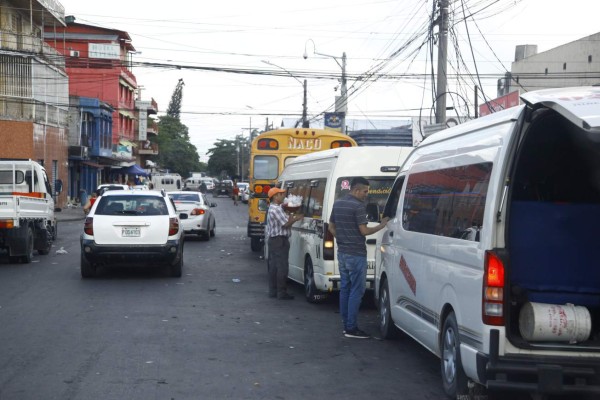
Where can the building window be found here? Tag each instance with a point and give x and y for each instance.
(590, 58)
(546, 71)
(564, 66)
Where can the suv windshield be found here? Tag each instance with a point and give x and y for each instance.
(132, 205)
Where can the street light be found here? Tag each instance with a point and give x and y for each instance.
(304, 105)
(341, 106)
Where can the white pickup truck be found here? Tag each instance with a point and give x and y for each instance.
(27, 220)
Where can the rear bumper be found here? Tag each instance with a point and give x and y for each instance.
(535, 374)
(139, 255)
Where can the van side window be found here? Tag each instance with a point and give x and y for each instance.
(447, 202)
(391, 205)
(314, 205)
(379, 190)
(299, 188)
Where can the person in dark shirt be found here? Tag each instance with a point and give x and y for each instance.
(348, 224)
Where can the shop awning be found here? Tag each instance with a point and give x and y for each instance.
(127, 114)
(92, 164)
(134, 170)
(126, 142)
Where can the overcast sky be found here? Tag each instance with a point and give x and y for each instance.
(380, 36)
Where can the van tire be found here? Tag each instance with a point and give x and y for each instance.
(310, 289)
(213, 230)
(454, 379)
(387, 329)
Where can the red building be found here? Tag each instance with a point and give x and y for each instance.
(98, 63)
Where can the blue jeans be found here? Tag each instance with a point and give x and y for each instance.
(353, 283)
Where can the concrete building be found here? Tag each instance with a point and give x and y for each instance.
(33, 87)
(572, 64)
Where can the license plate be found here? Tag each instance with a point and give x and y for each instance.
(130, 232)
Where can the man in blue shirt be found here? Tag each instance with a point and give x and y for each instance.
(277, 232)
(348, 224)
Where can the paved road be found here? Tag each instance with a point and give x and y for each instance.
(214, 333)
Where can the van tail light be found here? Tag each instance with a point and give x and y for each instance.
(198, 211)
(173, 226)
(88, 226)
(493, 290)
(327, 243)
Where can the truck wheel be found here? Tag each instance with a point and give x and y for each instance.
(46, 243)
(310, 289)
(255, 244)
(87, 269)
(387, 329)
(454, 378)
(26, 258)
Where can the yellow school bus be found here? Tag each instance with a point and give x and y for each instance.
(269, 154)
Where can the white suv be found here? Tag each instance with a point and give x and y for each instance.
(138, 228)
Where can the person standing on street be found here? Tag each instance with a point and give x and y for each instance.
(278, 231)
(235, 193)
(90, 202)
(348, 224)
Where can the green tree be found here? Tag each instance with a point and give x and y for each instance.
(174, 109)
(175, 151)
(229, 157)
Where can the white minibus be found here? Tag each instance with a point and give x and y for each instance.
(489, 258)
(319, 179)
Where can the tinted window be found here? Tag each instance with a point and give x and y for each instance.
(132, 205)
(379, 189)
(185, 197)
(266, 167)
(447, 202)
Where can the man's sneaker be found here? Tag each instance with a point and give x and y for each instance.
(356, 334)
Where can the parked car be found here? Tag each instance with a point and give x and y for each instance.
(223, 188)
(138, 228)
(209, 182)
(244, 191)
(200, 219)
(110, 186)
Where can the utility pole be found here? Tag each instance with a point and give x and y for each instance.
(304, 110)
(344, 91)
(442, 76)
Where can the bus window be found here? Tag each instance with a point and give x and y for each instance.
(379, 189)
(266, 167)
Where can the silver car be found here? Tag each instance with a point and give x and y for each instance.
(200, 217)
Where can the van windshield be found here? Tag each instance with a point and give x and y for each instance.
(379, 189)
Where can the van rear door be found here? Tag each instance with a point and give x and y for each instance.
(579, 105)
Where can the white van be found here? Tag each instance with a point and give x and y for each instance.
(489, 259)
(320, 178)
(168, 182)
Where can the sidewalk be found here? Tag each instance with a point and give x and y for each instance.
(70, 214)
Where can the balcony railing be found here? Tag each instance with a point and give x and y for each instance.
(147, 148)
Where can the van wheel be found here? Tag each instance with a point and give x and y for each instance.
(213, 230)
(255, 244)
(310, 290)
(87, 269)
(387, 329)
(454, 378)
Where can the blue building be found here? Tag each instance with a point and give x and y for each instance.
(90, 145)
